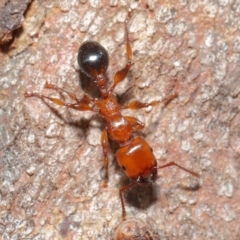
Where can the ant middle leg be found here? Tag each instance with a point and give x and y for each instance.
(121, 74)
(105, 147)
(135, 104)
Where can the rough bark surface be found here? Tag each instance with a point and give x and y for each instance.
(51, 161)
(11, 18)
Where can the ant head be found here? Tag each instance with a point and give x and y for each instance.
(145, 181)
(93, 59)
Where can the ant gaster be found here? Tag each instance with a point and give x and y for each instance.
(134, 154)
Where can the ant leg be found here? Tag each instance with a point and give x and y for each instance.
(81, 105)
(85, 100)
(105, 147)
(121, 191)
(137, 125)
(169, 98)
(175, 164)
(121, 74)
(135, 104)
(60, 90)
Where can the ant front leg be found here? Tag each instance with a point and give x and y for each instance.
(83, 104)
(121, 191)
(179, 166)
(121, 74)
(137, 125)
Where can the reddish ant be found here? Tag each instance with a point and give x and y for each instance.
(134, 155)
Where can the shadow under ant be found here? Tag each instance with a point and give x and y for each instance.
(140, 197)
(82, 123)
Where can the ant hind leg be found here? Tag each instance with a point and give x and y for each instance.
(83, 104)
(61, 90)
(121, 74)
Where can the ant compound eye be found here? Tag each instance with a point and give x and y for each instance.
(123, 168)
(93, 58)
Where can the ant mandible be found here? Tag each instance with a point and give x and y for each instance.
(134, 155)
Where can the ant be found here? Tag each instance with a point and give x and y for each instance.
(134, 155)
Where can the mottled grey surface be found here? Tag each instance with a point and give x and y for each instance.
(51, 159)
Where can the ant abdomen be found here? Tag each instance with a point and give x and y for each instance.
(93, 58)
